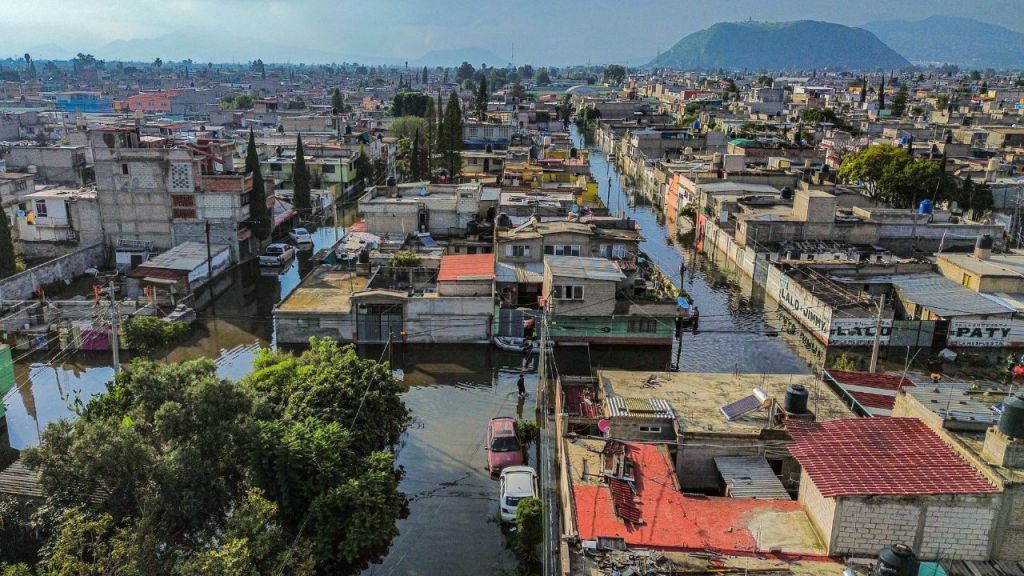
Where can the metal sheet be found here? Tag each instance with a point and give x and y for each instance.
(740, 407)
(750, 477)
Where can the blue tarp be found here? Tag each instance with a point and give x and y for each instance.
(683, 303)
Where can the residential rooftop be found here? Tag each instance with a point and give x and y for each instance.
(697, 398)
(324, 290)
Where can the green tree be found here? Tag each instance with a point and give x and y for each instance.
(864, 90)
(337, 100)
(415, 160)
(8, 259)
(881, 93)
(542, 77)
(517, 90)
(465, 71)
(259, 214)
(481, 99)
(409, 104)
(870, 165)
(430, 135)
(899, 101)
(614, 74)
(362, 166)
(147, 333)
(453, 136)
(406, 126)
(425, 77)
(300, 182)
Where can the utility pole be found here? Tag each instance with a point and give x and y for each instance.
(542, 372)
(209, 263)
(878, 335)
(114, 346)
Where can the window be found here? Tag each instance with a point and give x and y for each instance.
(651, 429)
(20, 185)
(611, 251)
(517, 251)
(181, 177)
(328, 168)
(124, 169)
(562, 250)
(643, 325)
(41, 208)
(569, 292)
(308, 322)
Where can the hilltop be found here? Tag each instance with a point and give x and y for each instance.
(779, 46)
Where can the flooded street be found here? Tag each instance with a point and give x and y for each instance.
(451, 390)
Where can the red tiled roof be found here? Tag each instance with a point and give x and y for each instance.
(664, 518)
(881, 456)
(876, 393)
(456, 266)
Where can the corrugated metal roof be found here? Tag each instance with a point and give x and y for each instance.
(580, 267)
(186, 256)
(976, 568)
(654, 408)
(519, 273)
(750, 477)
(954, 406)
(945, 297)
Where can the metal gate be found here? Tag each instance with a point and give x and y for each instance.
(376, 323)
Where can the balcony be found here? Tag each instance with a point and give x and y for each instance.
(51, 222)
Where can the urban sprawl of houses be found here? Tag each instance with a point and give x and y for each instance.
(881, 212)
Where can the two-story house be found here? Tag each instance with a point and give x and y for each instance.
(521, 251)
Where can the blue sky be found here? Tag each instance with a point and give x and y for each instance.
(544, 31)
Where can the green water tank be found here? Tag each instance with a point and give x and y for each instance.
(1011, 422)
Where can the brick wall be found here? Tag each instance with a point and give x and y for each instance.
(939, 526)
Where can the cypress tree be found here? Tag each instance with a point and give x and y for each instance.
(258, 213)
(881, 94)
(453, 136)
(414, 161)
(337, 102)
(300, 180)
(481, 99)
(442, 135)
(430, 113)
(8, 260)
(864, 90)
(426, 76)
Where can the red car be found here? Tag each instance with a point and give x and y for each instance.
(503, 448)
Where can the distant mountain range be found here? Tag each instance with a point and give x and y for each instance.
(780, 46)
(947, 39)
(187, 45)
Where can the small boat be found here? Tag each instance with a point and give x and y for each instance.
(515, 344)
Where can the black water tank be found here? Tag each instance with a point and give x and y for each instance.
(503, 221)
(1011, 422)
(472, 227)
(795, 401)
(984, 242)
(787, 193)
(391, 181)
(897, 560)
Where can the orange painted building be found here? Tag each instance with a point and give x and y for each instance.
(152, 102)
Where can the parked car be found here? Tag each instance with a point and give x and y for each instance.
(276, 254)
(515, 484)
(503, 448)
(300, 236)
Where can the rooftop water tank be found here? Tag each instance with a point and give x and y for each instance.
(925, 207)
(1011, 422)
(795, 400)
(897, 560)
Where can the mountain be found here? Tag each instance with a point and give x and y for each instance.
(780, 46)
(947, 39)
(449, 58)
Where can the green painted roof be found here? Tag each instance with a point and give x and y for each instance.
(745, 143)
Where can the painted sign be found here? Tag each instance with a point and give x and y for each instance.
(979, 333)
(858, 331)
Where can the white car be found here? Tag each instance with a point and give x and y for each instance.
(515, 484)
(300, 236)
(276, 255)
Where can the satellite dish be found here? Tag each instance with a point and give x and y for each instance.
(604, 425)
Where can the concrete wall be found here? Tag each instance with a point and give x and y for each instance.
(821, 510)
(598, 296)
(439, 319)
(57, 165)
(63, 269)
(695, 457)
(297, 328)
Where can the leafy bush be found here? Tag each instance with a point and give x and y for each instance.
(529, 528)
(528, 432)
(405, 259)
(147, 333)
